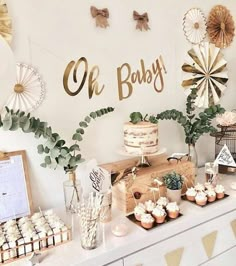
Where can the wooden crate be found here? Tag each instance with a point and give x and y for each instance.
(122, 192)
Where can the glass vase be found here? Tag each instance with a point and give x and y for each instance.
(72, 192)
(192, 156)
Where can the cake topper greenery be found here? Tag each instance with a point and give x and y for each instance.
(194, 124)
(55, 150)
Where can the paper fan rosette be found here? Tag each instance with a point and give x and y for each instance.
(205, 69)
(220, 26)
(29, 90)
(194, 26)
(5, 22)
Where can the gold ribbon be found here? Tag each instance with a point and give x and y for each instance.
(142, 21)
(101, 16)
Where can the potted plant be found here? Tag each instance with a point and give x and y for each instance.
(55, 150)
(174, 183)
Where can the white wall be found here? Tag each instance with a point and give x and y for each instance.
(49, 34)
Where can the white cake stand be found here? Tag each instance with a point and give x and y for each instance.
(143, 160)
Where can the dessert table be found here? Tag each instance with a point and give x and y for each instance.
(188, 235)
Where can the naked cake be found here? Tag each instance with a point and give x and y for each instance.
(141, 138)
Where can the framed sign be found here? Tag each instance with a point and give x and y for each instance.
(15, 192)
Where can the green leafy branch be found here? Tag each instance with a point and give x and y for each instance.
(56, 152)
(194, 125)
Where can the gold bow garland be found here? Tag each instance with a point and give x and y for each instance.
(101, 16)
(142, 21)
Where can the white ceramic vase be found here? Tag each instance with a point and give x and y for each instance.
(174, 195)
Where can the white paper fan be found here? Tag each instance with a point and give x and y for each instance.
(29, 90)
(205, 69)
(194, 26)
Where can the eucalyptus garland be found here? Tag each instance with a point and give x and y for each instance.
(194, 125)
(55, 151)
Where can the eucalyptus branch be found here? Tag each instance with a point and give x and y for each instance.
(194, 125)
(56, 152)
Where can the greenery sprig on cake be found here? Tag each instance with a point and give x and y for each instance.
(56, 151)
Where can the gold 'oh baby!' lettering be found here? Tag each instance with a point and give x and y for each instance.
(92, 80)
(125, 77)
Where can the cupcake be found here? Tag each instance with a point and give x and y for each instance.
(209, 186)
(138, 212)
(220, 191)
(201, 198)
(147, 221)
(172, 209)
(199, 187)
(211, 195)
(150, 205)
(191, 194)
(159, 214)
(162, 201)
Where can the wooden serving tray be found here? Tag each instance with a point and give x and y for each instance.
(132, 218)
(208, 203)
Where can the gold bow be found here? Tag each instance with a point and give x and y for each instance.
(142, 21)
(101, 16)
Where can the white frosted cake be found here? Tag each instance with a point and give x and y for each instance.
(141, 138)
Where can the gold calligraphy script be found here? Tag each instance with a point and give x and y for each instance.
(72, 70)
(126, 78)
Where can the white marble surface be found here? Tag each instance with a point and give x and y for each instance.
(114, 247)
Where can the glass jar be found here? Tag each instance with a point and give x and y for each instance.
(211, 173)
(106, 214)
(72, 193)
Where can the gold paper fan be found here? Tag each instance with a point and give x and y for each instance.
(194, 26)
(205, 68)
(5, 22)
(220, 26)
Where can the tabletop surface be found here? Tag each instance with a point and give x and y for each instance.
(113, 248)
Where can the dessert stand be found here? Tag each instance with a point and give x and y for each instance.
(143, 157)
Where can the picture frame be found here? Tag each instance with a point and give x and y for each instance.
(15, 191)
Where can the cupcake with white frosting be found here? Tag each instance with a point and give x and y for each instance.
(209, 186)
(172, 210)
(201, 198)
(211, 195)
(199, 187)
(220, 191)
(159, 214)
(162, 201)
(147, 221)
(138, 212)
(191, 194)
(150, 205)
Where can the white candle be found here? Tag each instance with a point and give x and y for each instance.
(119, 229)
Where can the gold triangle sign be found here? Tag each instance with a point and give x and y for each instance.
(173, 258)
(209, 243)
(233, 225)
